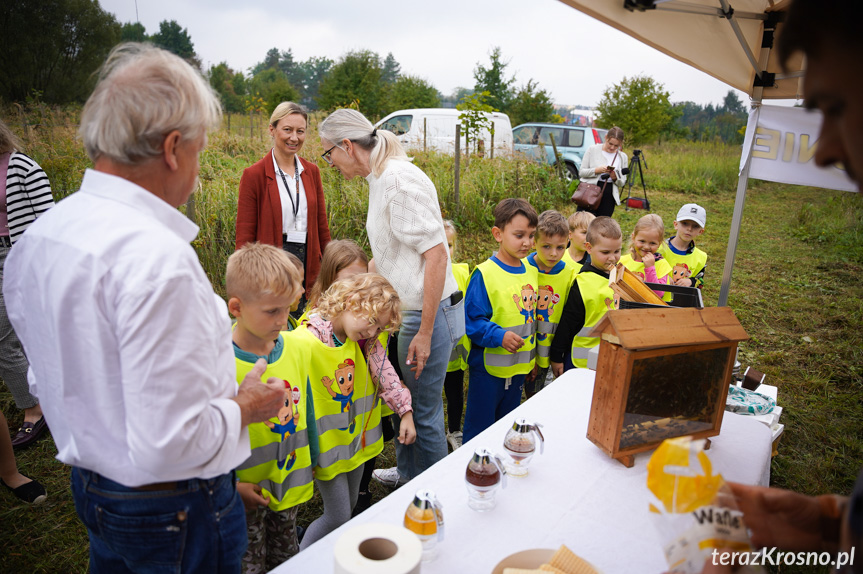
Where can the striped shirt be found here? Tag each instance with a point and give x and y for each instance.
(28, 194)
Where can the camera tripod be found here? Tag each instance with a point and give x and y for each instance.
(638, 158)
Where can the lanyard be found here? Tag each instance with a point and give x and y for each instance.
(295, 206)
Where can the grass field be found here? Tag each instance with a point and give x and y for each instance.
(795, 289)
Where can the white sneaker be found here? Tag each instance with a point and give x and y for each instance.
(454, 439)
(389, 477)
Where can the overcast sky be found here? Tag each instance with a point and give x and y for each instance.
(571, 55)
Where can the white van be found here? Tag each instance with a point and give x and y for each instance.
(440, 130)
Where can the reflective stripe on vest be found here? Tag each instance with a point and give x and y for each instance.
(280, 462)
(458, 356)
(513, 302)
(342, 415)
(597, 297)
(344, 453)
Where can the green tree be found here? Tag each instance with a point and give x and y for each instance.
(356, 78)
(273, 86)
(174, 38)
(531, 105)
(224, 81)
(392, 69)
(412, 92)
(639, 105)
(53, 47)
(133, 32)
(473, 117)
(493, 80)
(314, 70)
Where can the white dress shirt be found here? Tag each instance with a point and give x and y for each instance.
(403, 222)
(129, 346)
(288, 197)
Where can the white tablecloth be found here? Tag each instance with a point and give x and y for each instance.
(574, 494)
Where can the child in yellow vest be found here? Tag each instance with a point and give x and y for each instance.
(262, 284)
(500, 319)
(453, 384)
(341, 259)
(292, 322)
(576, 255)
(589, 298)
(687, 261)
(349, 373)
(555, 280)
(643, 258)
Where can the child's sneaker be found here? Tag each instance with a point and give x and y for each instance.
(389, 477)
(454, 439)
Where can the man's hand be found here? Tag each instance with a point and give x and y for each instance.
(258, 401)
(407, 430)
(251, 495)
(556, 369)
(418, 352)
(512, 342)
(782, 518)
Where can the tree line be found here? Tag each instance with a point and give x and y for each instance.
(641, 106)
(53, 47)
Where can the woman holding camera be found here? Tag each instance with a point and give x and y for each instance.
(603, 165)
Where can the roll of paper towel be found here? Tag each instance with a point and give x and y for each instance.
(378, 549)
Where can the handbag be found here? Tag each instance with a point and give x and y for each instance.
(589, 195)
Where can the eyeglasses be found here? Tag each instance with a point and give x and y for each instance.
(326, 155)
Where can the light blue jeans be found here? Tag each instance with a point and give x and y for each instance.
(426, 392)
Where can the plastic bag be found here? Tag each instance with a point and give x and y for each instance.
(694, 509)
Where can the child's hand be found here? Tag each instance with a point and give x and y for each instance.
(512, 342)
(532, 374)
(649, 259)
(251, 495)
(682, 282)
(556, 369)
(407, 430)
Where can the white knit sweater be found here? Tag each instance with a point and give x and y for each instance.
(404, 221)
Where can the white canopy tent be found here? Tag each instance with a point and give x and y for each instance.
(733, 43)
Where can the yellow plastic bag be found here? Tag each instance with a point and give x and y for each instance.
(694, 511)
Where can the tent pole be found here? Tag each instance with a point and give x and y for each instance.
(737, 218)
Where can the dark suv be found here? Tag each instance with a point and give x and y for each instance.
(534, 140)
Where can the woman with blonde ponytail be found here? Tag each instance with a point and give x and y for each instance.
(408, 242)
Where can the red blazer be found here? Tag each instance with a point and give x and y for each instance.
(259, 212)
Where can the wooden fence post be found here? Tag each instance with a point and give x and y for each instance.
(556, 156)
(492, 145)
(425, 137)
(250, 124)
(457, 163)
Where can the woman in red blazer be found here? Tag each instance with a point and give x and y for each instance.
(281, 199)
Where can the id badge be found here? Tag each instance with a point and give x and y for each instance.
(296, 237)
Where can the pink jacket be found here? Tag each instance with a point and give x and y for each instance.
(396, 396)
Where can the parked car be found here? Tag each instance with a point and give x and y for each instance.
(439, 124)
(534, 140)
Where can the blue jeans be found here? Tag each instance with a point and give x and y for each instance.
(427, 391)
(198, 526)
(488, 399)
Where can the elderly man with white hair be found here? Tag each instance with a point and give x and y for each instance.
(129, 346)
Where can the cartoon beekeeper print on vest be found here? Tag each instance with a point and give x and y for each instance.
(345, 381)
(289, 416)
(545, 303)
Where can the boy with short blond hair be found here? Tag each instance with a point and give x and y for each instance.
(687, 261)
(500, 319)
(262, 284)
(578, 223)
(555, 280)
(589, 298)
